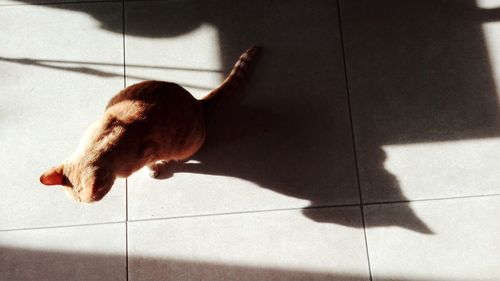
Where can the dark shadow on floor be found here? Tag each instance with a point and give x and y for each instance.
(291, 133)
(419, 72)
(23, 264)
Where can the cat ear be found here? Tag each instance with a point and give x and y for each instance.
(53, 176)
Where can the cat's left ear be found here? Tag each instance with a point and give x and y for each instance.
(53, 176)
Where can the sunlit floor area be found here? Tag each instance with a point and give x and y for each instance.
(365, 145)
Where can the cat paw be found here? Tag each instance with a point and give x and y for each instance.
(159, 170)
(154, 174)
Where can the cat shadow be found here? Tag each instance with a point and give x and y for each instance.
(291, 133)
(277, 150)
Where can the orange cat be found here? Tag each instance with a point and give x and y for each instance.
(146, 124)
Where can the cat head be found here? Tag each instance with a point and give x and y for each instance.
(83, 183)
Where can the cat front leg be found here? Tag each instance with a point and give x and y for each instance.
(158, 169)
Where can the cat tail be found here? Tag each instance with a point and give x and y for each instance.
(233, 80)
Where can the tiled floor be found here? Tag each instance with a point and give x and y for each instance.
(366, 146)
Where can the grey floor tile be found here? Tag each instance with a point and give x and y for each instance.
(424, 102)
(74, 253)
(287, 144)
(280, 245)
(463, 242)
(58, 70)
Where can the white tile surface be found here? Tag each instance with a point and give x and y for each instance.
(53, 86)
(464, 245)
(281, 245)
(74, 253)
(287, 144)
(445, 169)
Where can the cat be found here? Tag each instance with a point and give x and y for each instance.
(147, 124)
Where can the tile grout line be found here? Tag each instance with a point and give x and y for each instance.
(431, 199)
(60, 226)
(308, 208)
(179, 217)
(244, 212)
(126, 179)
(353, 137)
(255, 211)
